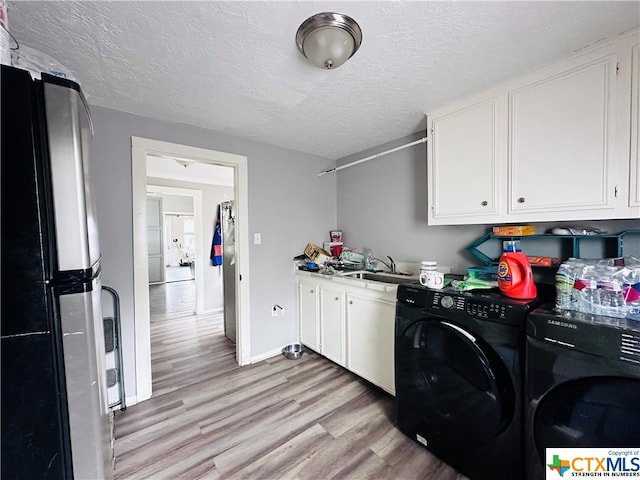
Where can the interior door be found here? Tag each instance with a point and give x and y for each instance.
(154, 239)
(229, 268)
(450, 386)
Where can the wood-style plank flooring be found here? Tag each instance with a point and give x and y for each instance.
(276, 419)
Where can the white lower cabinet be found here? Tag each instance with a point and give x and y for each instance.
(350, 324)
(308, 314)
(370, 344)
(332, 324)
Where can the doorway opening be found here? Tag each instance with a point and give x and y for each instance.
(179, 252)
(142, 151)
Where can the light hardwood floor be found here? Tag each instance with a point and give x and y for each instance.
(276, 419)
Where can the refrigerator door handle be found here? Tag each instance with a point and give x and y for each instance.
(117, 346)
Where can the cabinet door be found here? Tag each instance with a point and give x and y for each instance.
(562, 130)
(370, 340)
(634, 196)
(332, 325)
(308, 314)
(466, 162)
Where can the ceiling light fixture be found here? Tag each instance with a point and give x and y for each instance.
(328, 39)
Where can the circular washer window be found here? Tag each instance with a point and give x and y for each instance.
(590, 412)
(453, 382)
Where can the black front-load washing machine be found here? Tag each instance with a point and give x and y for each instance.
(459, 368)
(583, 384)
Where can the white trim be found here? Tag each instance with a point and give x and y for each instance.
(140, 148)
(198, 234)
(266, 355)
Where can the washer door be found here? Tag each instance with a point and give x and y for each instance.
(451, 385)
(590, 412)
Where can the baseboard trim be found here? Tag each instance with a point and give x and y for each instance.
(266, 355)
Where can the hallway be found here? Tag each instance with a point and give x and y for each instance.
(171, 300)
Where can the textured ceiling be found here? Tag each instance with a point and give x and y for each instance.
(234, 66)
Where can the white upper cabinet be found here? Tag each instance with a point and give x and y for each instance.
(465, 166)
(551, 145)
(634, 167)
(562, 138)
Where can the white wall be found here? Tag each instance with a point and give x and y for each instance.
(175, 203)
(288, 204)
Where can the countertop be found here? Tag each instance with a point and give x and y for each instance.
(350, 278)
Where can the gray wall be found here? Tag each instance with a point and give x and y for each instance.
(288, 204)
(382, 204)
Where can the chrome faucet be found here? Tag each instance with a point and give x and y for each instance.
(391, 265)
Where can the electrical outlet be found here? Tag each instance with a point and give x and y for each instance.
(274, 311)
(257, 239)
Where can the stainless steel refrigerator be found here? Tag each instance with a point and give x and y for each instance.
(55, 418)
(227, 225)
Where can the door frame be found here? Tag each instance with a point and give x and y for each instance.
(140, 148)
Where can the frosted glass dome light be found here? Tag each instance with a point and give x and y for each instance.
(328, 39)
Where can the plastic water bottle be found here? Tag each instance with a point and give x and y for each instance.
(565, 279)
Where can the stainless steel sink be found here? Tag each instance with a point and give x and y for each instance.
(381, 277)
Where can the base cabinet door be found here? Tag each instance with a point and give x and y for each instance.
(332, 324)
(370, 340)
(309, 314)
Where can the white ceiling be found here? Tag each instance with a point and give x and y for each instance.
(189, 171)
(234, 66)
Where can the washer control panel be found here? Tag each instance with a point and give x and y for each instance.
(482, 305)
(472, 306)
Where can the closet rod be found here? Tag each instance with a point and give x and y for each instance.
(335, 169)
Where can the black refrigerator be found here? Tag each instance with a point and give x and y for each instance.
(55, 422)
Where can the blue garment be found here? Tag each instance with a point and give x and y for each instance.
(216, 247)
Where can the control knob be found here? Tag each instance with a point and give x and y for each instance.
(447, 301)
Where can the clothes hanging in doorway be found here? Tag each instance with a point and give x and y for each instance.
(216, 246)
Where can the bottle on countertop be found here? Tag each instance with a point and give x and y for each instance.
(515, 277)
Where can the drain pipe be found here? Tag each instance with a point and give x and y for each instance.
(401, 147)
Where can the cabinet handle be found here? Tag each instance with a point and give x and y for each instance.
(350, 302)
(484, 203)
(521, 200)
(310, 291)
(337, 298)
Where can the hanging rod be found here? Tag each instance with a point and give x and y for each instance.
(335, 169)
